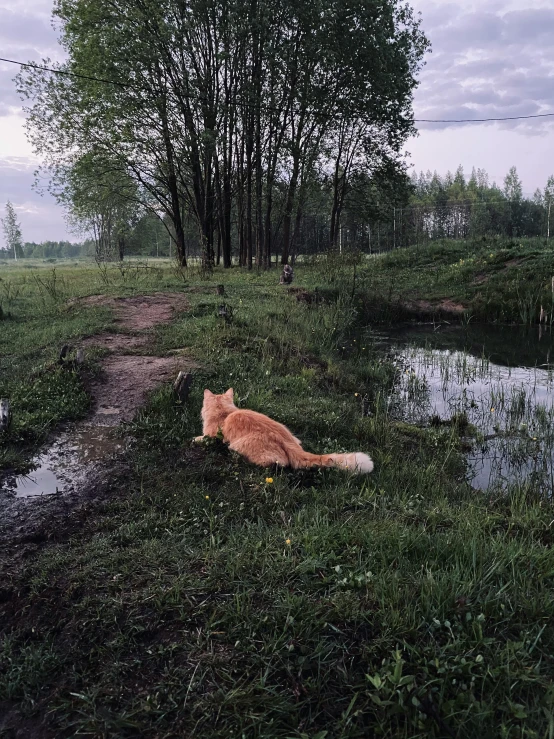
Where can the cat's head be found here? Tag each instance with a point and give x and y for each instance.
(218, 403)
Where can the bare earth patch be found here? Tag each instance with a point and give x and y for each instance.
(82, 463)
(481, 278)
(141, 311)
(450, 306)
(119, 343)
(126, 382)
(446, 305)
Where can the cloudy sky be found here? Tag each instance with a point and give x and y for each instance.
(491, 58)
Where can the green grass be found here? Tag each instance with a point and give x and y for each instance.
(202, 600)
(495, 281)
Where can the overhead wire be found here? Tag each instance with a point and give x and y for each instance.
(268, 107)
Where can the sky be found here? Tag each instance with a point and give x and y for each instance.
(491, 58)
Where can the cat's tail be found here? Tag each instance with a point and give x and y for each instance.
(356, 462)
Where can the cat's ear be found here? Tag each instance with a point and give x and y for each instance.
(230, 393)
(208, 393)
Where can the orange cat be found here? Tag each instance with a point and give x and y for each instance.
(264, 441)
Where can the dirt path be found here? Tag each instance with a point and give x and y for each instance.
(128, 378)
(141, 312)
(82, 462)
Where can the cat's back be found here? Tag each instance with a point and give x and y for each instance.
(244, 421)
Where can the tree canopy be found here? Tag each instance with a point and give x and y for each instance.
(224, 112)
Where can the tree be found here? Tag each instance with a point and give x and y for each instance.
(512, 186)
(101, 201)
(514, 193)
(548, 200)
(12, 232)
(222, 108)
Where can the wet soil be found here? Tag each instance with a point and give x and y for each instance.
(445, 307)
(114, 342)
(83, 462)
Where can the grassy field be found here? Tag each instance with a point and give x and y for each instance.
(207, 597)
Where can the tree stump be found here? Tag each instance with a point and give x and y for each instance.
(5, 415)
(66, 348)
(182, 385)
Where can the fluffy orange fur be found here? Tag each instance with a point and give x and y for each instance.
(264, 441)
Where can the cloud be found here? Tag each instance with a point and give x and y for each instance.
(40, 217)
(487, 64)
(25, 29)
(26, 34)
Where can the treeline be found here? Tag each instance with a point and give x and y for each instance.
(234, 121)
(49, 250)
(450, 206)
(453, 207)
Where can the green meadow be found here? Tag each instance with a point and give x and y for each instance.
(206, 597)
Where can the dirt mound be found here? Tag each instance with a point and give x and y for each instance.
(141, 311)
(425, 307)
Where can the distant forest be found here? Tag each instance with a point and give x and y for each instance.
(426, 207)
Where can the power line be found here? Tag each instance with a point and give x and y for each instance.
(483, 120)
(68, 74)
(198, 98)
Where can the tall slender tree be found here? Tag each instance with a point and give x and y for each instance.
(12, 232)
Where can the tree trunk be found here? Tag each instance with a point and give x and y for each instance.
(288, 211)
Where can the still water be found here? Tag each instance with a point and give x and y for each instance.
(65, 463)
(500, 378)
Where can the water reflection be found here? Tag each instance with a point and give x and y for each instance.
(64, 464)
(498, 379)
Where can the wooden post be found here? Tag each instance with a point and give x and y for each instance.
(182, 385)
(4, 414)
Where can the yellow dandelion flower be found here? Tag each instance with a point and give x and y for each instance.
(269, 480)
(207, 497)
(288, 542)
(356, 395)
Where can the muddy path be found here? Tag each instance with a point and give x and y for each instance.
(84, 462)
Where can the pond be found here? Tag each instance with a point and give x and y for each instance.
(497, 380)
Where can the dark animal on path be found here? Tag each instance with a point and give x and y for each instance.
(286, 275)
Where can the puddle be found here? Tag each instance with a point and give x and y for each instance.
(500, 378)
(66, 462)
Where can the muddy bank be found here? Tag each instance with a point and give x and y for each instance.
(26, 524)
(439, 308)
(82, 462)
